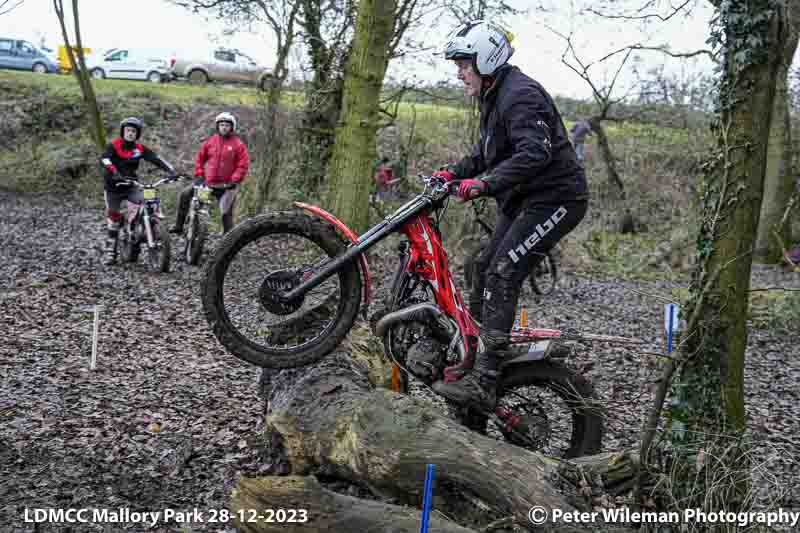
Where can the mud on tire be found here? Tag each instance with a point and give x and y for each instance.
(288, 222)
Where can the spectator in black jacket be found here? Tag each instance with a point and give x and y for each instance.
(120, 161)
(530, 168)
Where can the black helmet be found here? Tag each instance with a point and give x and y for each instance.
(134, 123)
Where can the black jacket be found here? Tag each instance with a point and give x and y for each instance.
(123, 157)
(524, 149)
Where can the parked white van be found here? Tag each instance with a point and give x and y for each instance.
(131, 64)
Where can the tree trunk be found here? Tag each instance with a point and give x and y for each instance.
(625, 222)
(274, 138)
(707, 411)
(326, 510)
(323, 97)
(773, 235)
(350, 172)
(608, 156)
(330, 420)
(96, 129)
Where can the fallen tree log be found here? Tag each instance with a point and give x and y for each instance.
(329, 418)
(322, 510)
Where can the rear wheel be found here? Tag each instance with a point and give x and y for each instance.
(154, 77)
(258, 260)
(558, 412)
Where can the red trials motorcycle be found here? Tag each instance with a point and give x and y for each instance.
(283, 290)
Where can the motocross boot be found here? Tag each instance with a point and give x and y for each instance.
(110, 251)
(478, 387)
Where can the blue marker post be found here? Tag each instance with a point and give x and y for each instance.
(670, 323)
(426, 499)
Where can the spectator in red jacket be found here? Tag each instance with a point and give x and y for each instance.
(222, 163)
(384, 179)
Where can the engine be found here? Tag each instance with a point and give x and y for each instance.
(426, 358)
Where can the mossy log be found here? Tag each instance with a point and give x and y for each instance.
(330, 419)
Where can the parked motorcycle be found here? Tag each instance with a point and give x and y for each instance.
(197, 221)
(143, 228)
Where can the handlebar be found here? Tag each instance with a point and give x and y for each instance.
(136, 183)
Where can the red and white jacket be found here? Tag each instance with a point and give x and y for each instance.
(222, 160)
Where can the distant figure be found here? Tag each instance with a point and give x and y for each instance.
(120, 161)
(578, 134)
(384, 179)
(221, 163)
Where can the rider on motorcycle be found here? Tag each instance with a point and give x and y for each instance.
(222, 162)
(120, 161)
(530, 168)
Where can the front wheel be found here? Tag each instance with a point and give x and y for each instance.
(554, 408)
(129, 247)
(198, 77)
(258, 260)
(159, 256)
(196, 238)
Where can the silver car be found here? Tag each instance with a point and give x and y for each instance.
(231, 66)
(22, 55)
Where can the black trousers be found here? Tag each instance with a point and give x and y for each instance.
(185, 201)
(514, 251)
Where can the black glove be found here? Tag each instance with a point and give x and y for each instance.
(232, 185)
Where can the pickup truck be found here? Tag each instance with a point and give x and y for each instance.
(230, 66)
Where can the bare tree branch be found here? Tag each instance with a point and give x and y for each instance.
(674, 11)
(9, 9)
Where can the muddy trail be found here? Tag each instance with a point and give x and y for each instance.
(169, 420)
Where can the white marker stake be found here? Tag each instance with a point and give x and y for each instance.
(670, 323)
(93, 361)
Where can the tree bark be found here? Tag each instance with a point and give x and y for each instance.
(273, 138)
(323, 94)
(326, 510)
(773, 234)
(350, 171)
(608, 156)
(96, 129)
(331, 419)
(707, 411)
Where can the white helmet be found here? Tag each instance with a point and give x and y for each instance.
(488, 45)
(225, 117)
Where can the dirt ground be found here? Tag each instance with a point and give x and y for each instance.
(169, 420)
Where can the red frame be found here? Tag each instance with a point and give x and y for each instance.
(427, 258)
(366, 290)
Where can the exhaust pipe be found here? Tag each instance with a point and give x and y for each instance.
(425, 313)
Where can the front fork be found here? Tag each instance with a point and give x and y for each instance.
(193, 208)
(148, 229)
